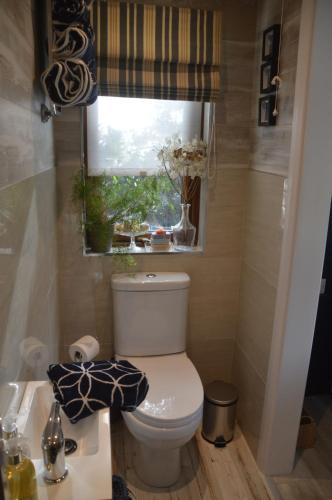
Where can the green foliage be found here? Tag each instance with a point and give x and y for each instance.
(122, 261)
(168, 211)
(110, 199)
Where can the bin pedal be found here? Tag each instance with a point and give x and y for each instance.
(220, 442)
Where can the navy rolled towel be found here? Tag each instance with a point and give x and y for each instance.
(69, 11)
(69, 82)
(73, 42)
(83, 388)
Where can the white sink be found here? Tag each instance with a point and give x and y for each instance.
(90, 467)
(11, 394)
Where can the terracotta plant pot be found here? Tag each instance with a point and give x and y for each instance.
(99, 237)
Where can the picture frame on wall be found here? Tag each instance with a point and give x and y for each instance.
(270, 46)
(265, 110)
(268, 71)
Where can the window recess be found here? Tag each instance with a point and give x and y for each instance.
(158, 73)
(122, 139)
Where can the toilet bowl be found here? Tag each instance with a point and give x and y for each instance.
(150, 321)
(167, 419)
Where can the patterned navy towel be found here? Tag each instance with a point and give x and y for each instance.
(72, 42)
(69, 11)
(83, 388)
(70, 82)
(120, 490)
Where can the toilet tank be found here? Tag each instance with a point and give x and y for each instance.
(150, 313)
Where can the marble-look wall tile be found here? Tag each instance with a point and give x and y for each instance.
(224, 231)
(263, 229)
(234, 108)
(26, 152)
(85, 293)
(256, 315)
(263, 233)
(236, 66)
(26, 144)
(251, 397)
(18, 15)
(286, 98)
(291, 29)
(292, 8)
(268, 12)
(288, 57)
(227, 189)
(213, 358)
(28, 274)
(28, 251)
(233, 145)
(271, 145)
(17, 72)
(272, 148)
(67, 137)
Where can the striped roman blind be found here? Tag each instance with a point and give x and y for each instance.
(158, 52)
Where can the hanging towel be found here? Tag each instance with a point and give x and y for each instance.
(83, 388)
(70, 83)
(83, 25)
(72, 43)
(69, 11)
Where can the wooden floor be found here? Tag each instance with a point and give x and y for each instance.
(311, 478)
(208, 473)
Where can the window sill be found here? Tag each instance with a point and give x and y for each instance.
(198, 250)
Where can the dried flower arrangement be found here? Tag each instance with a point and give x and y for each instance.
(185, 164)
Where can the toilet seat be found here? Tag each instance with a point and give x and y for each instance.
(175, 396)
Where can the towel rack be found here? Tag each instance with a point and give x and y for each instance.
(74, 76)
(48, 110)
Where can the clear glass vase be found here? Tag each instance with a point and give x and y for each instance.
(184, 232)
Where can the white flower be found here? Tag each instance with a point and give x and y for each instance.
(184, 159)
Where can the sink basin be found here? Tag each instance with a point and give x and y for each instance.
(85, 433)
(90, 469)
(11, 394)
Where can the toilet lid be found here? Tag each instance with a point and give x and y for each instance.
(175, 395)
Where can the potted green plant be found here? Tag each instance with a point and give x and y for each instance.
(107, 200)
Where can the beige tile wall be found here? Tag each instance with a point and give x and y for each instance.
(28, 281)
(85, 295)
(271, 145)
(222, 341)
(233, 283)
(263, 233)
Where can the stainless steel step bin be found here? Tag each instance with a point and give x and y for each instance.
(220, 400)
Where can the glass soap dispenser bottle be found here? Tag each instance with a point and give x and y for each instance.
(19, 471)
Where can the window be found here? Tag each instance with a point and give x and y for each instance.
(124, 135)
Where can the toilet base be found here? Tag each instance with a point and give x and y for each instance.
(158, 468)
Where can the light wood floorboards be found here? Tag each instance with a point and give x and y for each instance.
(311, 478)
(208, 473)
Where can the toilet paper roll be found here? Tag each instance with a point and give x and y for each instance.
(34, 352)
(84, 349)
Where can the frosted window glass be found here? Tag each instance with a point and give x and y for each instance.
(125, 134)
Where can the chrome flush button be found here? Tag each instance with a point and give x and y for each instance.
(151, 275)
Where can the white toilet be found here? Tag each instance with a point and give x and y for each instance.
(150, 319)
